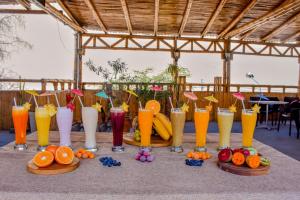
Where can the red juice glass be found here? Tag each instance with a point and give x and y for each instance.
(117, 116)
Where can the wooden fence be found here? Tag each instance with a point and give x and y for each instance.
(116, 89)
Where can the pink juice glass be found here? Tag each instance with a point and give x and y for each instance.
(64, 117)
(117, 116)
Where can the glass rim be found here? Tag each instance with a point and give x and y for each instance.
(116, 109)
(145, 109)
(176, 110)
(201, 110)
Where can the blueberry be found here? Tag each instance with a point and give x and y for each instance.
(109, 165)
(119, 164)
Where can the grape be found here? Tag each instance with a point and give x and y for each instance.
(146, 153)
(150, 158)
(143, 158)
(138, 156)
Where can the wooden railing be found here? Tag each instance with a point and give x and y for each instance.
(90, 88)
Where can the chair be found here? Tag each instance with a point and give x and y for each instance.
(291, 113)
(262, 113)
(285, 112)
(274, 110)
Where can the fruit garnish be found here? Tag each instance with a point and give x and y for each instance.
(253, 161)
(82, 153)
(208, 108)
(43, 159)
(125, 106)
(153, 105)
(238, 158)
(137, 135)
(232, 108)
(225, 155)
(64, 155)
(71, 106)
(198, 155)
(97, 106)
(256, 108)
(109, 162)
(51, 109)
(185, 108)
(52, 149)
(27, 106)
(265, 161)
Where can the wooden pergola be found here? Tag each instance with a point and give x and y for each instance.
(249, 27)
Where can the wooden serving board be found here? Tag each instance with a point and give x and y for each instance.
(156, 141)
(53, 169)
(243, 170)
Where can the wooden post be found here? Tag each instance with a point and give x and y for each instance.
(226, 57)
(78, 61)
(299, 77)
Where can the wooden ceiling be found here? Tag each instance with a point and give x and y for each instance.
(259, 20)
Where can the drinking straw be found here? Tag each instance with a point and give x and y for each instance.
(15, 102)
(30, 99)
(56, 99)
(36, 104)
(112, 105)
(243, 104)
(48, 99)
(128, 98)
(218, 109)
(171, 102)
(195, 105)
(140, 104)
(80, 101)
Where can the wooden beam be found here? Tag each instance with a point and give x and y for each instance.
(185, 16)
(289, 38)
(96, 15)
(238, 18)
(127, 17)
(246, 35)
(18, 11)
(213, 17)
(25, 4)
(156, 17)
(282, 27)
(58, 14)
(285, 7)
(66, 10)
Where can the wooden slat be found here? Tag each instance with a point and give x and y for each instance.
(246, 35)
(282, 27)
(213, 17)
(289, 38)
(66, 10)
(126, 15)
(57, 14)
(156, 17)
(238, 18)
(25, 4)
(285, 7)
(185, 16)
(21, 12)
(96, 15)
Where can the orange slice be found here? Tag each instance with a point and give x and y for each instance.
(52, 148)
(43, 159)
(153, 105)
(64, 155)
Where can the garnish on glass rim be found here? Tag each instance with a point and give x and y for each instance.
(256, 108)
(27, 106)
(51, 109)
(232, 108)
(97, 106)
(210, 99)
(125, 106)
(185, 107)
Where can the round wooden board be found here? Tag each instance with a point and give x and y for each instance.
(242, 170)
(53, 169)
(156, 141)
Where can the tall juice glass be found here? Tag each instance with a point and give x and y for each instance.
(43, 120)
(145, 119)
(90, 120)
(225, 121)
(201, 117)
(117, 116)
(248, 126)
(20, 119)
(177, 121)
(64, 118)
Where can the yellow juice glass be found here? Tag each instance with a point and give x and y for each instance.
(201, 117)
(225, 121)
(177, 122)
(248, 126)
(43, 120)
(145, 118)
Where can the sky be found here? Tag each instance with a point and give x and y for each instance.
(52, 56)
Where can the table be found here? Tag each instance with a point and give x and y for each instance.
(267, 103)
(166, 178)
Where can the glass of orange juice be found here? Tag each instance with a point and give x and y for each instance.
(43, 120)
(248, 126)
(145, 119)
(201, 117)
(20, 119)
